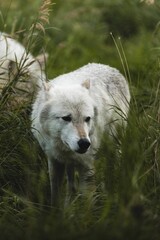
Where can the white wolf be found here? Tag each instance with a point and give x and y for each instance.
(70, 115)
(19, 69)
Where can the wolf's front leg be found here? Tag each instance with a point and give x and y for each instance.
(71, 183)
(56, 175)
(87, 184)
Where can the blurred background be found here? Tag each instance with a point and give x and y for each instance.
(80, 32)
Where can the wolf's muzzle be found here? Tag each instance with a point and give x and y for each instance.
(83, 144)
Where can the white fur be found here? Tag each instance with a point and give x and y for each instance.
(96, 91)
(14, 59)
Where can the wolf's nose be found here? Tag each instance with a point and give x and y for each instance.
(83, 144)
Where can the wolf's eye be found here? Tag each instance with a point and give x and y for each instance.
(87, 119)
(67, 118)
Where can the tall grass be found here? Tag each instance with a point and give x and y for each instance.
(126, 203)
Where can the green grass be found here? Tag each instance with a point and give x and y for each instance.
(126, 204)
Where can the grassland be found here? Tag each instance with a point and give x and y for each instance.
(127, 202)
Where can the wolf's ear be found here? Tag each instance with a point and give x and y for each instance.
(42, 59)
(86, 84)
(46, 86)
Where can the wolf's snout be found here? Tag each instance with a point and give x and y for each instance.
(83, 144)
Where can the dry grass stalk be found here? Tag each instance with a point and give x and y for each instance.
(43, 16)
(149, 2)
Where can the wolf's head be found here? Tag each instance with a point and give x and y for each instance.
(68, 116)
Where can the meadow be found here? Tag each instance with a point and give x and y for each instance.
(126, 205)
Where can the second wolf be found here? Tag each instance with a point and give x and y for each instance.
(20, 73)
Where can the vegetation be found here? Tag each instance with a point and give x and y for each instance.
(126, 204)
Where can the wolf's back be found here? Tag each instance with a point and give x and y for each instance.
(107, 84)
